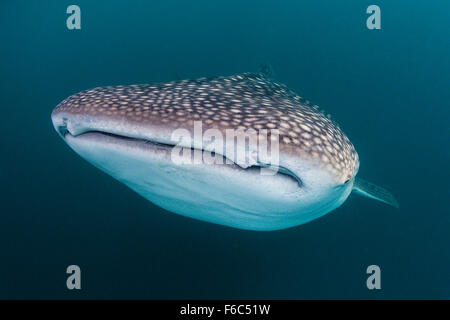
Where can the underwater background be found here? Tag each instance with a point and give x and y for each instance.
(388, 89)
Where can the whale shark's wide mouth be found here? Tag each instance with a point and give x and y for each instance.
(121, 137)
(124, 139)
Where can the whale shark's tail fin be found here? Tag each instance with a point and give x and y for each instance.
(370, 190)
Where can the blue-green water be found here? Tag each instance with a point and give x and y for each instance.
(388, 89)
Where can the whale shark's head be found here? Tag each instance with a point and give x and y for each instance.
(171, 143)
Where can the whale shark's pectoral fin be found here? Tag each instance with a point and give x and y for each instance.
(373, 191)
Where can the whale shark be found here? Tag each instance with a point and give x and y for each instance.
(169, 142)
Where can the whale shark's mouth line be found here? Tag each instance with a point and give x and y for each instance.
(63, 131)
(127, 138)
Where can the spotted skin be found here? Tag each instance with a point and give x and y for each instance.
(246, 101)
